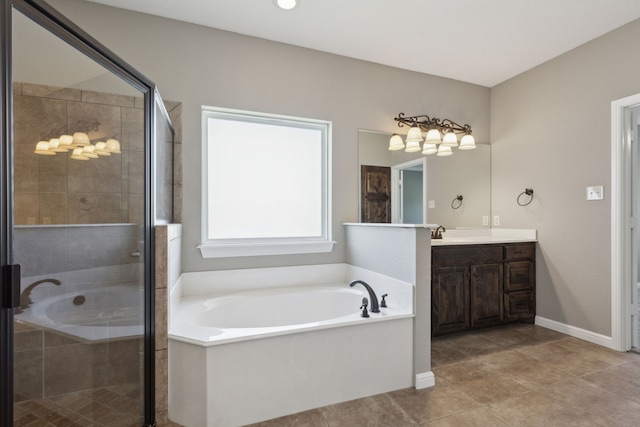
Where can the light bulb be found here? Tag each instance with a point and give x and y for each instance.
(412, 146)
(112, 146)
(444, 150)
(433, 137)
(395, 143)
(78, 154)
(450, 139)
(467, 142)
(414, 134)
(88, 151)
(429, 148)
(80, 139)
(286, 4)
(42, 147)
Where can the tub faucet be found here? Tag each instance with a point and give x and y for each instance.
(437, 233)
(25, 296)
(372, 295)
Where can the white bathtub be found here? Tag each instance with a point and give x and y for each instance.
(110, 311)
(242, 350)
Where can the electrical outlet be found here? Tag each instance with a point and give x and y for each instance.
(485, 220)
(432, 204)
(496, 220)
(595, 192)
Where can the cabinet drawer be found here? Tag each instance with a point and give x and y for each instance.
(519, 276)
(523, 251)
(466, 255)
(519, 305)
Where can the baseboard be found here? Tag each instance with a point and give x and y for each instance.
(576, 332)
(425, 380)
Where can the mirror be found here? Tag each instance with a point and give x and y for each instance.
(423, 189)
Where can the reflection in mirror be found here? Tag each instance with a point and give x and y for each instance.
(431, 184)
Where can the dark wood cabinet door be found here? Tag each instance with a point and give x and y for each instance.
(375, 194)
(520, 306)
(519, 275)
(486, 295)
(450, 300)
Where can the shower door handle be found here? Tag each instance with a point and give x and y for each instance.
(11, 286)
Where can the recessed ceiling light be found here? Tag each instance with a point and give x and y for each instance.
(286, 4)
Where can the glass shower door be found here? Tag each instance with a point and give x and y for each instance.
(79, 236)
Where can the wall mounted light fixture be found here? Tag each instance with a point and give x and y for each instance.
(441, 135)
(79, 143)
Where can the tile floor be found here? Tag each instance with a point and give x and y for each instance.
(518, 375)
(107, 406)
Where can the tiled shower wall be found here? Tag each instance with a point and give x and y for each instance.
(59, 190)
(168, 269)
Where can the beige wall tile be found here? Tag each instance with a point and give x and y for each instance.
(101, 175)
(107, 115)
(136, 209)
(162, 383)
(44, 91)
(35, 116)
(62, 365)
(28, 340)
(53, 208)
(28, 374)
(177, 163)
(161, 319)
(53, 172)
(27, 208)
(88, 208)
(90, 96)
(26, 168)
(132, 129)
(121, 354)
(176, 120)
(135, 167)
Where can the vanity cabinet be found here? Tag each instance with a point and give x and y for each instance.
(478, 286)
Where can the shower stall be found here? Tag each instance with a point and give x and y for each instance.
(86, 174)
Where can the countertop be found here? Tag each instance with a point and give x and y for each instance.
(485, 236)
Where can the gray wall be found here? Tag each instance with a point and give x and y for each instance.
(201, 66)
(551, 131)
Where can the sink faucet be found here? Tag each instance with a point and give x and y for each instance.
(437, 233)
(372, 295)
(25, 296)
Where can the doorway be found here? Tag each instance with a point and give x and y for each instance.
(625, 220)
(408, 194)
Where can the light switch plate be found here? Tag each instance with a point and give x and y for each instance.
(595, 192)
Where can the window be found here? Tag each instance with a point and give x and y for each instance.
(266, 184)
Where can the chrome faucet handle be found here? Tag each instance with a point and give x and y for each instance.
(365, 302)
(383, 303)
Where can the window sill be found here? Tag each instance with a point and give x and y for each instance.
(210, 250)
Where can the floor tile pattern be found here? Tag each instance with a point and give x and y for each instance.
(517, 375)
(114, 406)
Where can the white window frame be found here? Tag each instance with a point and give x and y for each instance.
(237, 247)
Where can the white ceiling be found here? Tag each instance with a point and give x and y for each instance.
(479, 41)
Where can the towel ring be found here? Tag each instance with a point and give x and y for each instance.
(455, 205)
(526, 192)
